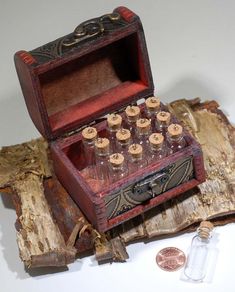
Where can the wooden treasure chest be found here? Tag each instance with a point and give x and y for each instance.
(71, 84)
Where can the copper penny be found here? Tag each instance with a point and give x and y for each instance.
(170, 259)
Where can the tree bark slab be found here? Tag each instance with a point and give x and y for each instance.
(52, 231)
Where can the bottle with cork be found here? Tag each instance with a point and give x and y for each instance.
(152, 107)
(163, 119)
(136, 158)
(157, 147)
(118, 167)
(89, 136)
(143, 132)
(132, 115)
(102, 151)
(175, 138)
(123, 137)
(114, 123)
(197, 260)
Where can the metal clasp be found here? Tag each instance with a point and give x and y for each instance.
(147, 185)
(89, 29)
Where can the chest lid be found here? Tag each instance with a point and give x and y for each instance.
(100, 67)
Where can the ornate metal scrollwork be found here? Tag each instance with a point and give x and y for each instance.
(89, 29)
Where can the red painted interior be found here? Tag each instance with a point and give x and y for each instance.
(85, 88)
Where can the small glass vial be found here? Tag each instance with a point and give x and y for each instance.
(197, 260)
(136, 158)
(114, 123)
(153, 106)
(175, 138)
(143, 132)
(117, 166)
(102, 152)
(162, 122)
(132, 115)
(89, 136)
(157, 147)
(123, 137)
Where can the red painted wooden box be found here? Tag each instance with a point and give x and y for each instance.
(72, 82)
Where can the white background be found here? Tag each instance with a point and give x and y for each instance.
(192, 52)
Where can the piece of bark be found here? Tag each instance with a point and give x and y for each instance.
(66, 214)
(39, 239)
(30, 157)
(119, 250)
(213, 199)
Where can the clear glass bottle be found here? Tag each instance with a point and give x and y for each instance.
(123, 137)
(143, 132)
(162, 122)
(132, 115)
(136, 158)
(118, 167)
(89, 136)
(157, 147)
(175, 138)
(102, 151)
(197, 260)
(152, 107)
(114, 123)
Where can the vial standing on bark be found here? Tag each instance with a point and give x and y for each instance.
(197, 260)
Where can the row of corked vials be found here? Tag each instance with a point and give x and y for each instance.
(131, 142)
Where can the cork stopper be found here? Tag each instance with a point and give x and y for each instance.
(143, 125)
(89, 133)
(152, 103)
(132, 113)
(114, 121)
(205, 229)
(102, 145)
(156, 140)
(123, 135)
(116, 159)
(175, 130)
(164, 117)
(135, 150)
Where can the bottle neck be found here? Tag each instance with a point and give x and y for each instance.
(88, 143)
(102, 153)
(204, 234)
(143, 134)
(156, 149)
(136, 159)
(117, 168)
(175, 139)
(125, 143)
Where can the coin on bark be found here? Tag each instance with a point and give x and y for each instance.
(170, 259)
